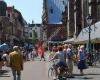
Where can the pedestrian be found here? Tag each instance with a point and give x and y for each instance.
(81, 60)
(69, 59)
(16, 63)
(65, 46)
(5, 57)
(41, 52)
(1, 60)
(52, 53)
(33, 54)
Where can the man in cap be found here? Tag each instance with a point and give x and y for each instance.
(16, 63)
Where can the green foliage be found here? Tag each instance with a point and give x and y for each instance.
(34, 39)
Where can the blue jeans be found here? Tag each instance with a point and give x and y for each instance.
(16, 75)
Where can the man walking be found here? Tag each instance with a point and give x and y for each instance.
(16, 63)
(69, 56)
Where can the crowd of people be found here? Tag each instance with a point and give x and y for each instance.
(15, 56)
(67, 57)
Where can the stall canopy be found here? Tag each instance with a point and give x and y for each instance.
(54, 41)
(4, 47)
(71, 40)
(83, 37)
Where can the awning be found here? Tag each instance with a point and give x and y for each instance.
(83, 37)
(4, 47)
(54, 41)
(71, 40)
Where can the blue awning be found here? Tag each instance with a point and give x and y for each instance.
(4, 47)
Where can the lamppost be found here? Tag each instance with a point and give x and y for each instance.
(89, 21)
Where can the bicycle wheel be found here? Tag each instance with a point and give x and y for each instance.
(51, 73)
(97, 64)
(67, 74)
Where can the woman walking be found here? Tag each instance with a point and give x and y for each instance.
(81, 60)
(41, 52)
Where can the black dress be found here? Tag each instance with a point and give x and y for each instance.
(82, 62)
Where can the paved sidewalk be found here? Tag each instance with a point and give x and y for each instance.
(5, 74)
(33, 70)
(92, 73)
(38, 69)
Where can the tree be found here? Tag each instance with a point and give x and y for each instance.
(34, 39)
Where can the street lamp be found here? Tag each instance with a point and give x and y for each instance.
(89, 21)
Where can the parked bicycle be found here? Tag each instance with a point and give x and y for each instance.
(96, 59)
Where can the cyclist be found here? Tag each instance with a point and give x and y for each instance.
(59, 56)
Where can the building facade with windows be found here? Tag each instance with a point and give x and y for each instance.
(54, 10)
(11, 24)
(52, 18)
(33, 31)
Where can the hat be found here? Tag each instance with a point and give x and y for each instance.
(82, 46)
(15, 47)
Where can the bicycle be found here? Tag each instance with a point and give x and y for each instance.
(96, 59)
(51, 70)
(63, 75)
(51, 73)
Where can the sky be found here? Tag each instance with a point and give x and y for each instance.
(30, 9)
